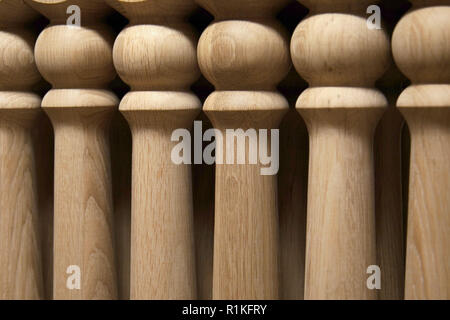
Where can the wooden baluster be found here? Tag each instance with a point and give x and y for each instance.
(155, 54)
(244, 53)
(21, 274)
(77, 61)
(421, 51)
(338, 55)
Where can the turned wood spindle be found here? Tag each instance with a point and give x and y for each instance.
(341, 59)
(156, 55)
(245, 54)
(21, 274)
(422, 52)
(77, 61)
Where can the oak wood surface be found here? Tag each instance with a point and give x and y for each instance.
(421, 51)
(341, 59)
(244, 53)
(21, 275)
(77, 61)
(156, 56)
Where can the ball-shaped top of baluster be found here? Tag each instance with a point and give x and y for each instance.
(71, 56)
(244, 55)
(338, 49)
(157, 57)
(158, 50)
(17, 66)
(421, 43)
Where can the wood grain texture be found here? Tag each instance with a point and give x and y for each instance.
(421, 51)
(341, 110)
(427, 256)
(244, 53)
(21, 274)
(156, 56)
(77, 61)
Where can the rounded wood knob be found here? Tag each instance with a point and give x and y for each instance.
(77, 61)
(75, 57)
(341, 59)
(18, 70)
(254, 60)
(244, 53)
(425, 62)
(21, 275)
(156, 56)
(421, 51)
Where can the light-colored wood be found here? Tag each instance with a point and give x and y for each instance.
(421, 51)
(21, 274)
(341, 59)
(77, 61)
(157, 58)
(245, 54)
